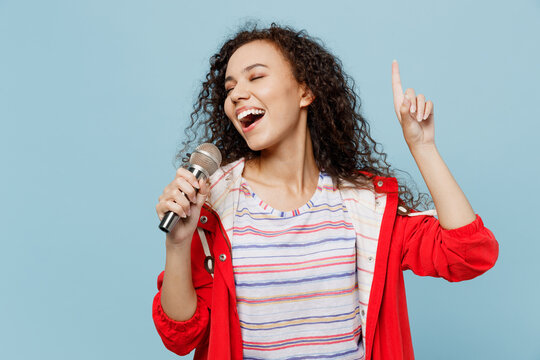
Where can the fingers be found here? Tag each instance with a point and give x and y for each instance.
(204, 187)
(188, 175)
(408, 107)
(179, 194)
(396, 88)
(423, 108)
(169, 205)
(429, 109)
(411, 96)
(420, 106)
(405, 108)
(181, 184)
(416, 106)
(396, 79)
(177, 208)
(183, 194)
(407, 104)
(174, 200)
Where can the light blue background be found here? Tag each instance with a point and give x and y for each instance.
(94, 97)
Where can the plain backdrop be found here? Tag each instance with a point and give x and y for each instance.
(94, 98)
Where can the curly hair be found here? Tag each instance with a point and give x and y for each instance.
(340, 135)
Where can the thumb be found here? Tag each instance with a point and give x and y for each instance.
(405, 109)
(202, 194)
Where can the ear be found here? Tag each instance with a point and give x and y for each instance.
(307, 96)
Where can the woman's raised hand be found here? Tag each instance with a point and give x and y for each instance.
(413, 112)
(187, 207)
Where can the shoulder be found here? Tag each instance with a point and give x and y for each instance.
(369, 197)
(222, 183)
(381, 184)
(227, 171)
(387, 184)
(381, 187)
(226, 174)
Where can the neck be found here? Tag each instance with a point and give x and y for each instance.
(289, 165)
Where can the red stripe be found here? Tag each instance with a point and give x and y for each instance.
(294, 227)
(304, 338)
(290, 232)
(300, 226)
(225, 173)
(367, 237)
(364, 270)
(296, 263)
(296, 297)
(294, 269)
(293, 345)
(351, 335)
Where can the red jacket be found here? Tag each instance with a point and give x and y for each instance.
(417, 243)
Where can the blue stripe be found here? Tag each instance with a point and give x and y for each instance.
(326, 356)
(293, 255)
(300, 280)
(318, 356)
(306, 341)
(299, 324)
(301, 318)
(289, 245)
(306, 309)
(340, 207)
(293, 325)
(298, 228)
(322, 294)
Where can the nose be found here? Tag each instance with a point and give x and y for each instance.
(238, 92)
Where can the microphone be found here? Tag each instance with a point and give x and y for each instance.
(204, 161)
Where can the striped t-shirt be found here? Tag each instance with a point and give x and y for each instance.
(295, 275)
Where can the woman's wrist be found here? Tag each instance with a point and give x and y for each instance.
(177, 246)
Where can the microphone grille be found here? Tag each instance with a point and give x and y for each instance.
(207, 156)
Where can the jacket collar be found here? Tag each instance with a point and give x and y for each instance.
(225, 185)
(223, 197)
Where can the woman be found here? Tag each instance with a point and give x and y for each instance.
(308, 229)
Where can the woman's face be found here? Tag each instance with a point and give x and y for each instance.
(259, 77)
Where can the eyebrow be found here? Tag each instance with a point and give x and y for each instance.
(228, 78)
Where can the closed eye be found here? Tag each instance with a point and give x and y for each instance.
(255, 78)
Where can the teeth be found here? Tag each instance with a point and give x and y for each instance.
(243, 114)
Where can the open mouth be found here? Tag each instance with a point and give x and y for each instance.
(248, 121)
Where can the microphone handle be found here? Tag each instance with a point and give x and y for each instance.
(170, 219)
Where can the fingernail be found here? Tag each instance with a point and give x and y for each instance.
(196, 186)
(413, 109)
(426, 116)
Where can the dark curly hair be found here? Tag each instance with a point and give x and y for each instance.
(340, 135)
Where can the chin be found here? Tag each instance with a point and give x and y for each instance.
(260, 145)
(255, 147)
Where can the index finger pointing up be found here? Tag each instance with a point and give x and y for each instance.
(396, 83)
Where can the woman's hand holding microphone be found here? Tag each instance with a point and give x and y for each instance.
(184, 196)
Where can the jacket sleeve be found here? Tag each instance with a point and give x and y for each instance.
(455, 255)
(181, 337)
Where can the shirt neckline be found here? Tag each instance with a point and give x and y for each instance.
(266, 208)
